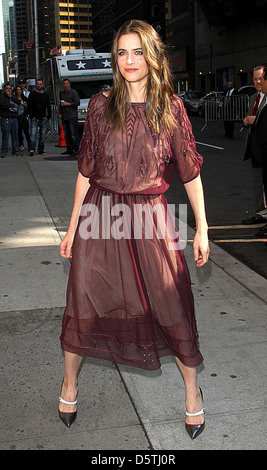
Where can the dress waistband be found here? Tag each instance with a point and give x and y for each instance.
(123, 193)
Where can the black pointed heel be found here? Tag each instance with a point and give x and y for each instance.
(195, 429)
(67, 418)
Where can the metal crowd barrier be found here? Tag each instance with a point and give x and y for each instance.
(52, 128)
(226, 108)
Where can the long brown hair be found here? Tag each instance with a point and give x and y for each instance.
(159, 88)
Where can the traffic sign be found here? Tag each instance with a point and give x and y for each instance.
(28, 45)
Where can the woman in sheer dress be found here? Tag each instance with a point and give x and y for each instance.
(129, 298)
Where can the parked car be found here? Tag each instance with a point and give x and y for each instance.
(82, 110)
(191, 100)
(247, 90)
(215, 96)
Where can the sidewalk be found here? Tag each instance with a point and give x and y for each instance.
(119, 408)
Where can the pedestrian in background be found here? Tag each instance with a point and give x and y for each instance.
(229, 110)
(254, 104)
(26, 93)
(68, 111)
(259, 141)
(129, 299)
(40, 112)
(22, 84)
(23, 123)
(9, 104)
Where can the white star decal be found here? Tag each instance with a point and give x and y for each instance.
(81, 65)
(106, 63)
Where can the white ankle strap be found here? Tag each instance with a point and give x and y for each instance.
(68, 402)
(201, 412)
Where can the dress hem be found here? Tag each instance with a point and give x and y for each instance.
(149, 365)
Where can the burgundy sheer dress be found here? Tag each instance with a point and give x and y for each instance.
(129, 298)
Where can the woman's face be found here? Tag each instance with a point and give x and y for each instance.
(131, 62)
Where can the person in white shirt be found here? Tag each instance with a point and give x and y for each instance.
(259, 196)
(229, 107)
(22, 84)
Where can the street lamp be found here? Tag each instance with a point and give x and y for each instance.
(36, 39)
(9, 59)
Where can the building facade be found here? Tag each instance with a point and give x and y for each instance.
(22, 35)
(209, 41)
(213, 41)
(109, 15)
(180, 39)
(61, 26)
(75, 24)
(65, 25)
(9, 48)
(230, 41)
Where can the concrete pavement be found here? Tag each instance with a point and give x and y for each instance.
(119, 408)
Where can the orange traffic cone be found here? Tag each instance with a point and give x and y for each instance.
(61, 141)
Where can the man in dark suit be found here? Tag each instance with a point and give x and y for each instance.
(259, 141)
(229, 110)
(254, 104)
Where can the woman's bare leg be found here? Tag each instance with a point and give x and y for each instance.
(70, 384)
(193, 400)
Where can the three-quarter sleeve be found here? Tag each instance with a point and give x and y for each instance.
(87, 146)
(187, 160)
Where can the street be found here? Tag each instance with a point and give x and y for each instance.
(228, 194)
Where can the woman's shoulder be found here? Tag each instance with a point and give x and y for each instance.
(176, 101)
(177, 105)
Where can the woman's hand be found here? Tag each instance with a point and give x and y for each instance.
(81, 188)
(201, 248)
(194, 191)
(66, 245)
